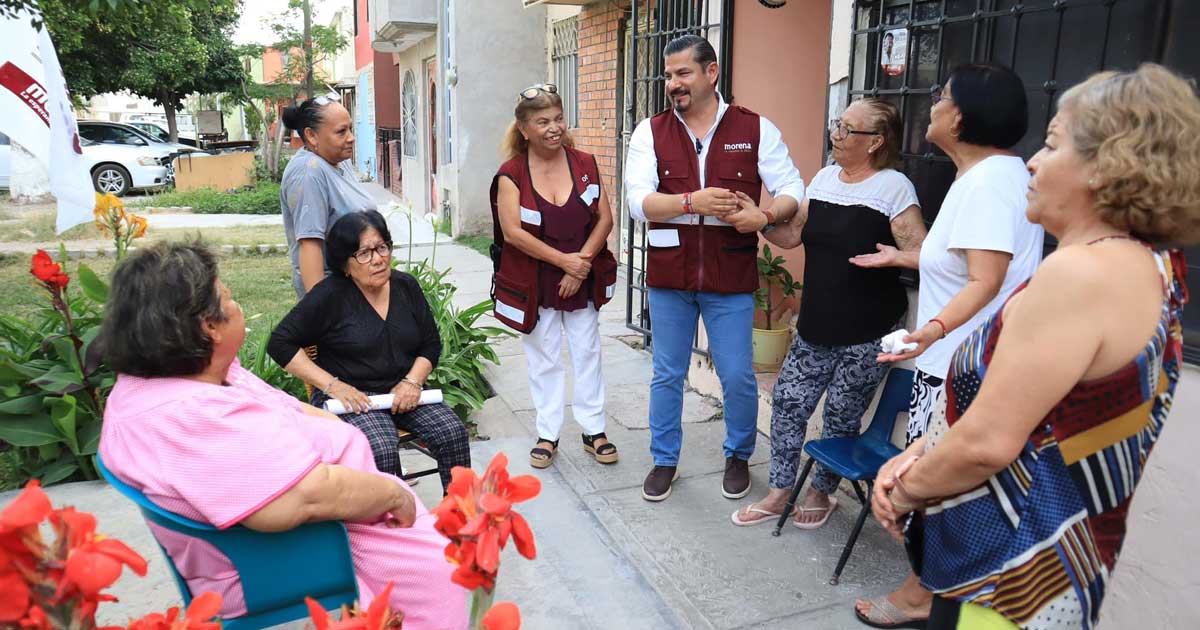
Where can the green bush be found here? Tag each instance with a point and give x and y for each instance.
(51, 391)
(253, 356)
(459, 372)
(262, 199)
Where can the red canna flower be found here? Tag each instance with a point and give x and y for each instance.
(478, 518)
(36, 620)
(46, 270)
(199, 616)
(30, 507)
(502, 616)
(94, 562)
(379, 615)
(14, 597)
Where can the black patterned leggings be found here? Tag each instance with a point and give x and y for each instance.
(436, 425)
(846, 375)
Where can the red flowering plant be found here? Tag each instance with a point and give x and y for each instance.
(379, 615)
(52, 389)
(59, 583)
(478, 518)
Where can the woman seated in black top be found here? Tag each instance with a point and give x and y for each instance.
(374, 334)
(859, 205)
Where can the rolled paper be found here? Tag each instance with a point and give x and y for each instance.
(384, 401)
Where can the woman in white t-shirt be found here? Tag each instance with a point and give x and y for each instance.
(980, 248)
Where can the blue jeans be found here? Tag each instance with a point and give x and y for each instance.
(728, 318)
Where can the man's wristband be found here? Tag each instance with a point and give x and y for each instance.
(687, 203)
(942, 325)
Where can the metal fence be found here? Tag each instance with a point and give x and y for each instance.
(565, 58)
(1051, 44)
(651, 24)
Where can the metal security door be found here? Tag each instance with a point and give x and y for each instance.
(651, 24)
(1051, 44)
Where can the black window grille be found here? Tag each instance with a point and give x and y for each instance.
(565, 58)
(651, 24)
(1051, 44)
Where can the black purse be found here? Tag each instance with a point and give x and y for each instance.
(914, 540)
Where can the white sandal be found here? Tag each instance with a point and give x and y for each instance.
(833, 503)
(767, 516)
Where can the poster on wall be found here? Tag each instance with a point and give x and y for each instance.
(894, 51)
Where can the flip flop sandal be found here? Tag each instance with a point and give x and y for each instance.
(767, 516)
(542, 457)
(885, 614)
(605, 453)
(828, 510)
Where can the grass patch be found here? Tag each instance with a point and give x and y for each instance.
(477, 242)
(39, 226)
(261, 284)
(262, 199)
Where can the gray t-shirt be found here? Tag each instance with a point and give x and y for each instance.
(313, 195)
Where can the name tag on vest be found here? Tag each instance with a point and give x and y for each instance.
(663, 238)
(590, 193)
(532, 217)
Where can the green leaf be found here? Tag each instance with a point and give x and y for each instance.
(64, 347)
(58, 382)
(23, 406)
(89, 437)
(62, 414)
(35, 431)
(58, 470)
(92, 285)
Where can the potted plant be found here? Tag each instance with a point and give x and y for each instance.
(771, 343)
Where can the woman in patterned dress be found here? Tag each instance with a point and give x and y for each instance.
(1025, 483)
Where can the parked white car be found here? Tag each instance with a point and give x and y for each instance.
(160, 133)
(119, 168)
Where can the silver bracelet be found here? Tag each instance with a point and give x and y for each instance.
(412, 382)
(329, 386)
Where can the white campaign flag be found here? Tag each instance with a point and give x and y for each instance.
(35, 111)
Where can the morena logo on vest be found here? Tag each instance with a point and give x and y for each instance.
(739, 147)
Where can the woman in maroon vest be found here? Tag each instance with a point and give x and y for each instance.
(554, 269)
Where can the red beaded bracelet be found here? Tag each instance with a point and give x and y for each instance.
(942, 324)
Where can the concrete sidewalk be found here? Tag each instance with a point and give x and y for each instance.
(606, 558)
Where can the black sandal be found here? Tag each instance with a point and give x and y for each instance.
(541, 457)
(606, 453)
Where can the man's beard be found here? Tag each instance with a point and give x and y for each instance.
(681, 108)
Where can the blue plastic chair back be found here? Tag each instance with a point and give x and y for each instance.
(277, 570)
(861, 457)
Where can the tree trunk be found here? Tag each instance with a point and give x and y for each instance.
(278, 150)
(168, 103)
(308, 51)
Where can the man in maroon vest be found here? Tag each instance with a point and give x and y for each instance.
(694, 173)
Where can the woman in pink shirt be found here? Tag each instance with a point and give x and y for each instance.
(202, 437)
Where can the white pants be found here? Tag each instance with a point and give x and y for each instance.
(547, 375)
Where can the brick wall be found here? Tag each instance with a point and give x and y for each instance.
(597, 131)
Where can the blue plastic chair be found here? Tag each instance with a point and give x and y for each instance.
(858, 459)
(277, 570)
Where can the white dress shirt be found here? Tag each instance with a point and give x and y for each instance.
(775, 166)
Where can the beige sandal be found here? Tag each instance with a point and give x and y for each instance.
(828, 510)
(542, 457)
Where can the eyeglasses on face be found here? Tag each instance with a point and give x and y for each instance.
(531, 92)
(839, 130)
(938, 95)
(364, 255)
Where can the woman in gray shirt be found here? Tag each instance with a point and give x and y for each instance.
(318, 185)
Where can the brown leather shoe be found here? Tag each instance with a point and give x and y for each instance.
(657, 485)
(736, 483)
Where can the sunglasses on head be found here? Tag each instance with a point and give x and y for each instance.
(322, 101)
(531, 92)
